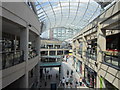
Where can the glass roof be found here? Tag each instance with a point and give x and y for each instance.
(64, 18)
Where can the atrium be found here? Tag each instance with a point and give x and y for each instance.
(60, 44)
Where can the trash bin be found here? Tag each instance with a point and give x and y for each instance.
(53, 86)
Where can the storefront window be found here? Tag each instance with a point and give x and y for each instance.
(90, 77)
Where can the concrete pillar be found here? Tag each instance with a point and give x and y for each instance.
(101, 46)
(63, 52)
(56, 51)
(48, 52)
(84, 47)
(45, 45)
(83, 68)
(1, 46)
(37, 45)
(24, 39)
(73, 46)
(53, 46)
(101, 42)
(77, 46)
(56, 59)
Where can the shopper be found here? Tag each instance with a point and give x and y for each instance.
(45, 83)
(67, 81)
(76, 83)
(45, 70)
(56, 75)
(71, 72)
(80, 81)
(67, 72)
(71, 81)
(49, 76)
(63, 82)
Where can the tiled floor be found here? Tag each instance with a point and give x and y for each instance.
(68, 66)
(53, 79)
(65, 66)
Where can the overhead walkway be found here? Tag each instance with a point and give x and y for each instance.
(50, 64)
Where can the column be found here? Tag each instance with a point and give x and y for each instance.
(37, 45)
(84, 54)
(83, 67)
(53, 46)
(101, 41)
(73, 50)
(48, 50)
(1, 46)
(84, 46)
(24, 39)
(101, 46)
(77, 46)
(56, 52)
(63, 52)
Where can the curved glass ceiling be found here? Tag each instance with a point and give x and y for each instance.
(70, 14)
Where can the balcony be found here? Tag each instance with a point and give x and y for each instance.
(51, 59)
(52, 48)
(112, 59)
(12, 58)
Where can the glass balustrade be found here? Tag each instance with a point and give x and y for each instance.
(111, 58)
(91, 55)
(12, 58)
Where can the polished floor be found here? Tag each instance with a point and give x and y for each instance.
(46, 82)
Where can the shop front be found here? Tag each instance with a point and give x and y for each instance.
(90, 77)
(79, 67)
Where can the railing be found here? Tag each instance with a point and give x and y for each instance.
(44, 54)
(52, 60)
(12, 58)
(111, 59)
(52, 48)
(52, 54)
(92, 56)
(44, 47)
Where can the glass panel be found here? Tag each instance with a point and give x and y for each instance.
(75, 14)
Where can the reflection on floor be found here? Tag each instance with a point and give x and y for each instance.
(49, 77)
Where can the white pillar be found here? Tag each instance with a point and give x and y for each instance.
(24, 39)
(37, 46)
(101, 41)
(56, 51)
(84, 47)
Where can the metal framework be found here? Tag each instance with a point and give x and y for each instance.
(67, 15)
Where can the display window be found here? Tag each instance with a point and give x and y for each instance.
(90, 77)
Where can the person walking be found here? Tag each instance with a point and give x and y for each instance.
(67, 81)
(76, 83)
(80, 81)
(67, 72)
(71, 81)
(63, 82)
(45, 83)
(56, 75)
(71, 72)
